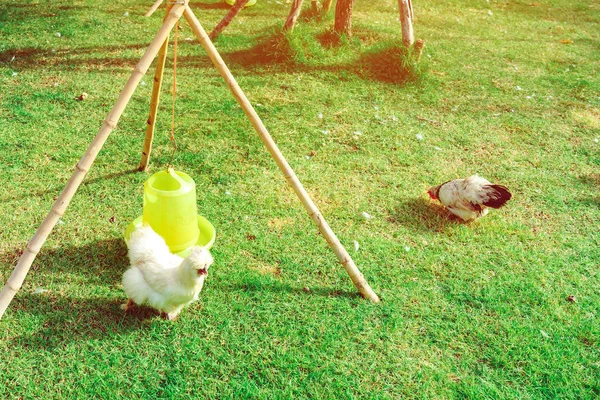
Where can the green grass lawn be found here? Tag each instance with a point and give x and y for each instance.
(506, 89)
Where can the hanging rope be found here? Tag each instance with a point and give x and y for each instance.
(173, 96)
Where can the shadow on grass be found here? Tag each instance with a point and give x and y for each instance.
(261, 286)
(590, 201)
(390, 64)
(72, 58)
(31, 12)
(330, 40)
(100, 262)
(70, 316)
(69, 319)
(422, 215)
(66, 316)
(274, 51)
(57, 190)
(592, 179)
(311, 15)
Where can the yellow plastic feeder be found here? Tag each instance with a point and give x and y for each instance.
(170, 209)
(250, 3)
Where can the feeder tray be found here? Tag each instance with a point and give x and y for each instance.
(206, 238)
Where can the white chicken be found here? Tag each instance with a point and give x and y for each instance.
(470, 198)
(160, 279)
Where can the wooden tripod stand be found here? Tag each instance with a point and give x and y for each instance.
(176, 10)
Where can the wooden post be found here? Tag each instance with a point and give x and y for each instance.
(151, 122)
(16, 279)
(343, 17)
(231, 14)
(293, 16)
(418, 49)
(343, 256)
(406, 17)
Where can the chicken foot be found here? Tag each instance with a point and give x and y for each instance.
(127, 306)
(170, 316)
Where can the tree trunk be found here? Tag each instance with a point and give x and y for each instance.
(406, 17)
(315, 7)
(343, 17)
(233, 11)
(294, 13)
(326, 6)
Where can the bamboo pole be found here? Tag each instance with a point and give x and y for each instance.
(16, 279)
(343, 256)
(151, 122)
(154, 7)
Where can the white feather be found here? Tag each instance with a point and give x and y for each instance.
(160, 279)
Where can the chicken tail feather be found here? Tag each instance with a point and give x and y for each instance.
(497, 195)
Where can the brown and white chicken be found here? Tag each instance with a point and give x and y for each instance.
(470, 198)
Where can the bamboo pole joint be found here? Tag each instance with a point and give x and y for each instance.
(31, 250)
(55, 211)
(110, 123)
(79, 167)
